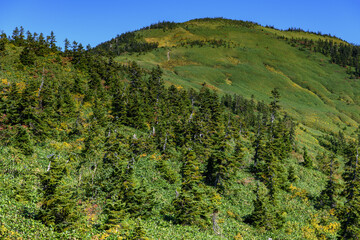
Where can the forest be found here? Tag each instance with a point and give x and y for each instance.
(94, 148)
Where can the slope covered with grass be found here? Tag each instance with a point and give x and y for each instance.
(251, 60)
(201, 147)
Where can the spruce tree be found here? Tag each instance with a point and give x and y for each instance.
(13, 104)
(237, 160)
(274, 105)
(292, 177)
(27, 57)
(23, 141)
(125, 198)
(2, 46)
(220, 163)
(119, 108)
(328, 195)
(265, 214)
(135, 112)
(27, 108)
(58, 203)
(190, 206)
(350, 213)
(307, 159)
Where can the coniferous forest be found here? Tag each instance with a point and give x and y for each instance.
(92, 147)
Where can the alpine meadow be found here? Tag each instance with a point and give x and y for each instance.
(207, 129)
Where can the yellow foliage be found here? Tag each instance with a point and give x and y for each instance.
(321, 227)
(332, 212)
(5, 81)
(238, 237)
(21, 86)
(271, 69)
(298, 192)
(104, 236)
(216, 199)
(61, 145)
(309, 232)
(231, 214)
(228, 81)
(177, 62)
(8, 234)
(178, 87)
(234, 61)
(63, 125)
(87, 105)
(80, 139)
(155, 157)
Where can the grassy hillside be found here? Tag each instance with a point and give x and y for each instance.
(96, 147)
(319, 94)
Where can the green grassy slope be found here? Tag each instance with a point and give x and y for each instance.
(317, 93)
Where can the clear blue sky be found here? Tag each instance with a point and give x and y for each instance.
(92, 22)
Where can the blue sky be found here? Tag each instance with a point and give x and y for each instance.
(92, 22)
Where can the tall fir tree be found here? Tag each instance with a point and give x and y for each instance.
(350, 213)
(329, 194)
(265, 214)
(307, 159)
(191, 207)
(59, 207)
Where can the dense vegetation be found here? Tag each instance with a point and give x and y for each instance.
(345, 55)
(92, 147)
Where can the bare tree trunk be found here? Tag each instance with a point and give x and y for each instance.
(92, 180)
(42, 82)
(216, 227)
(164, 147)
(48, 169)
(79, 179)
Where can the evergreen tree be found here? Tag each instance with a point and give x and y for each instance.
(220, 162)
(350, 213)
(2, 46)
(23, 141)
(292, 177)
(27, 108)
(328, 195)
(237, 160)
(135, 112)
(126, 198)
(267, 165)
(58, 203)
(52, 42)
(135, 75)
(27, 57)
(274, 105)
(119, 108)
(13, 105)
(155, 86)
(190, 206)
(307, 159)
(66, 46)
(265, 214)
(41, 47)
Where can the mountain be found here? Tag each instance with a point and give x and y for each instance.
(237, 57)
(208, 129)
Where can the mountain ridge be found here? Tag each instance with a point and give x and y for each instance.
(252, 48)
